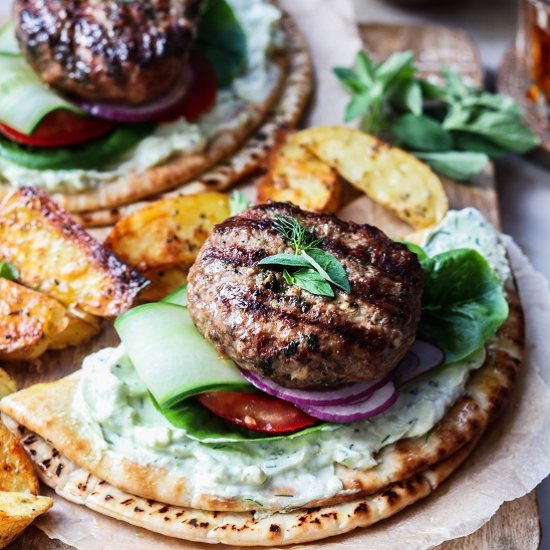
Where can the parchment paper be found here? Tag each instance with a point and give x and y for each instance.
(513, 457)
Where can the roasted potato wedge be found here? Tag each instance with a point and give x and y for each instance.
(29, 321)
(17, 512)
(388, 175)
(295, 175)
(16, 470)
(56, 256)
(163, 282)
(167, 232)
(79, 330)
(7, 384)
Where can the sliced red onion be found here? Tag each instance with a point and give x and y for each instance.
(154, 110)
(350, 393)
(422, 357)
(379, 401)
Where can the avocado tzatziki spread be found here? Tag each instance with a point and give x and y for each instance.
(259, 20)
(113, 406)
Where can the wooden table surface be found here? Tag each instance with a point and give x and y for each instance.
(516, 524)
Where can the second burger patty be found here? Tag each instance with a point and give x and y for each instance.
(107, 50)
(294, 337)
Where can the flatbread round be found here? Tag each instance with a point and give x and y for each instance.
(43, 409)
(252, 155)
(238, 528)
(183, 168)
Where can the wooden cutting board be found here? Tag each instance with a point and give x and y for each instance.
(516, 524)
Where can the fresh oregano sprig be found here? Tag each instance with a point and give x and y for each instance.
(454, 127)
(310, 267)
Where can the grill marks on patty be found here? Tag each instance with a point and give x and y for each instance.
(107, 50)
(296, 338)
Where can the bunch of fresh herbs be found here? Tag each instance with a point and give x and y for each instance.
(453, 127)
(309, 267)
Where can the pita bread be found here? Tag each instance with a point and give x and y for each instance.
(136, 186)
(253, 154)
(239, 528)
(43, 409)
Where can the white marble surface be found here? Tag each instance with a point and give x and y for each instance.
(524, 187)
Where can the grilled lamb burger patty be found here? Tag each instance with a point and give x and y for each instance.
(107, 50)
(296, 338)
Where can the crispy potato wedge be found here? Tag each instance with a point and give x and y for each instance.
(16, 470)
(29, 320)
(7, 384)
(167, 232)
(295, 175)
(78, 331)
(17, 512)
(388, 175)
(163, 282)
(58, 257)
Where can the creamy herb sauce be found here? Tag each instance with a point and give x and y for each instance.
(259, 20)
(468, 228)
(114, 408)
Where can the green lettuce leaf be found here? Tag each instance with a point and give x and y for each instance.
(91, 154)
(221, 39)
(202, 425)
(463, 304)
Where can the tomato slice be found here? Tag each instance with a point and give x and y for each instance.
(61, 128)
(257, 412)
(201, 94)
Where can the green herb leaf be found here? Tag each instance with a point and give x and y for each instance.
(455, 84)
(310, 280)
(457, 116)
(432, 91)
(504, 129)
(457, 165)
(366, 68)
(286, 260)
(349, 79)
(408, 96)
(318, 268)
(496, 102)
(463, 304)
(358, 106)
(467, 141)
(396, 63)
(221, 39)
(328, 267)
(8, 271)
(423, 133)
(238, 203)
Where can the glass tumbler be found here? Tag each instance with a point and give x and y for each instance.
(533, 45)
